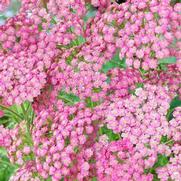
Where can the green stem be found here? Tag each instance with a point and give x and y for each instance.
(33, 116)
(142, 74)
(169, 112)
(44, 3)
(6, 108)
(28, 120)
(24, 112)
(28, 107)
(169, 141)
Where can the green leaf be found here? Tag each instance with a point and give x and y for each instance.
(111, 135)
(70, 29)
(12, 113)
(96, 89)
(77, 42)
(92, 161)
(4, 120)
(53, 21)
(7, 122)
(49, 179)
(176, 102)
(143, 72)
(71, 56)
(40, 27)
(10, 125)
(155, 177)
(122, 25)
(94, 179)
(152, 54)
(81, 40)
(108, 66)
(90, 103)
(108, 80)
(162, 67)
(164, 139)
(113, 63)
(152, 171)
(73, 11)
(67, 141)
(91, 12)
(139, 85)
(167, 141)
(76, 149)
(68, 98)
(162, 160)
(173, 2)
(156, 16)
(147, 145)
(6, 168)
(71, 117)
(168, 60)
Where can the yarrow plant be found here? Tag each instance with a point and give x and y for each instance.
(90, 90)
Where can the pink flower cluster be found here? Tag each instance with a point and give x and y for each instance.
(4, 4)
(124, 81)
(173, 169)
(103, 101)
(18, 143)
(149, 29)
(143, 30)
(62, 142)
(118, 161)
(28, 171)
(171, 78)
(101, 4)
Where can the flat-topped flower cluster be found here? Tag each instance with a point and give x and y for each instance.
(104, 82)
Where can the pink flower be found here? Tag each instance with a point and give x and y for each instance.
(27, 150)
(4, 4)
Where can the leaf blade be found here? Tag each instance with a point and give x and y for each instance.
(68, 98)
(168, 60)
